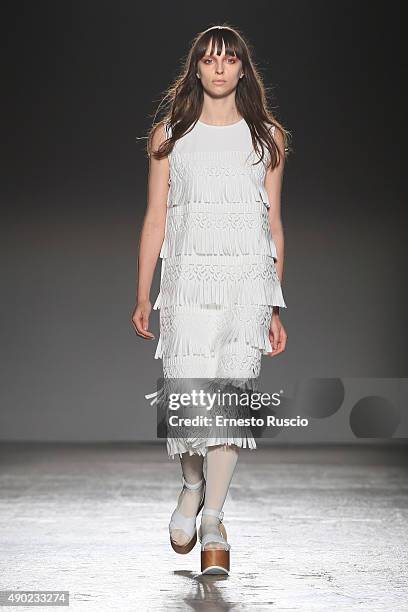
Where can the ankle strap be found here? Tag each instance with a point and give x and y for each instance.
(195, 486)
(211, 512)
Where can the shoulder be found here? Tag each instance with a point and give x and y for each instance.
(277, 135)
(159, 134)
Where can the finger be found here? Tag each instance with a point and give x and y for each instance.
(277, 337)
(145, 325)
(145, 321)
(281, 346)
(274, 348)
(274, 336)
(140, 327)
(284, 340)
(144, 334)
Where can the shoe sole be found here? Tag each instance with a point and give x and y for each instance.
(215, 569)
(185, 548)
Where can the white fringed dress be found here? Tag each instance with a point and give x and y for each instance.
(218, 276)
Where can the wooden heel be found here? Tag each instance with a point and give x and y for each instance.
(215, 560)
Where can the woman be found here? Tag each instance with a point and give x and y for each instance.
(219, 233)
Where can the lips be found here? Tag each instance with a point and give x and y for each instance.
(219, 81)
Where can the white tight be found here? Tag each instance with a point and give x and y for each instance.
(221, 461)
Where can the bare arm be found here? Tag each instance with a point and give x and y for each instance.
(152, 234)
(273, 186)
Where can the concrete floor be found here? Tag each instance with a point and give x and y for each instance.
(310, 529)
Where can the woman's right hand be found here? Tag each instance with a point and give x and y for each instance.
(140, 319)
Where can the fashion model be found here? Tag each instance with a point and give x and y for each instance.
(214, 217)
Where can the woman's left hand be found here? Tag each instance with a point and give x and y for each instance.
(277, 336)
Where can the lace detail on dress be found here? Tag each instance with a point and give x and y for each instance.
(236, 271)
(227, 365)
(223, 280)
(227, 221)
(206, 232)
(236, 365)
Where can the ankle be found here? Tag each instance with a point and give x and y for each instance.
(193, 483)
(211, 518)
(209, 525)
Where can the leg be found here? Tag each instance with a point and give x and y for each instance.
(189, 499)
(221, 462)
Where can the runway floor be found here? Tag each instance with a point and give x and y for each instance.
(310, 528)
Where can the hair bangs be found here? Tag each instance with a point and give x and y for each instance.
(217, 36)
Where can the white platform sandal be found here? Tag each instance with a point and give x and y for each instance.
(187, 524)
(214, 561)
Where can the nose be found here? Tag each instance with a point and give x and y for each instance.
(220, 68)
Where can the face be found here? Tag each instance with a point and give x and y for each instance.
(219, 74)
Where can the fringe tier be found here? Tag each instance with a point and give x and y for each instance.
(218, 177)
(193, 231)
(198, 446)
(197, 440)
(241, 328)
(227, 280)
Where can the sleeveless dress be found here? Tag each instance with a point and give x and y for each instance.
(218, 276)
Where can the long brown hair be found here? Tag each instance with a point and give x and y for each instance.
(184, 98)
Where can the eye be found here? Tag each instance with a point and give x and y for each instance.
(230, 60)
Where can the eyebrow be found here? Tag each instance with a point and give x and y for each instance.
(216, 54)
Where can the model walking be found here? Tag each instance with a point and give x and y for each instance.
(219, 233)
